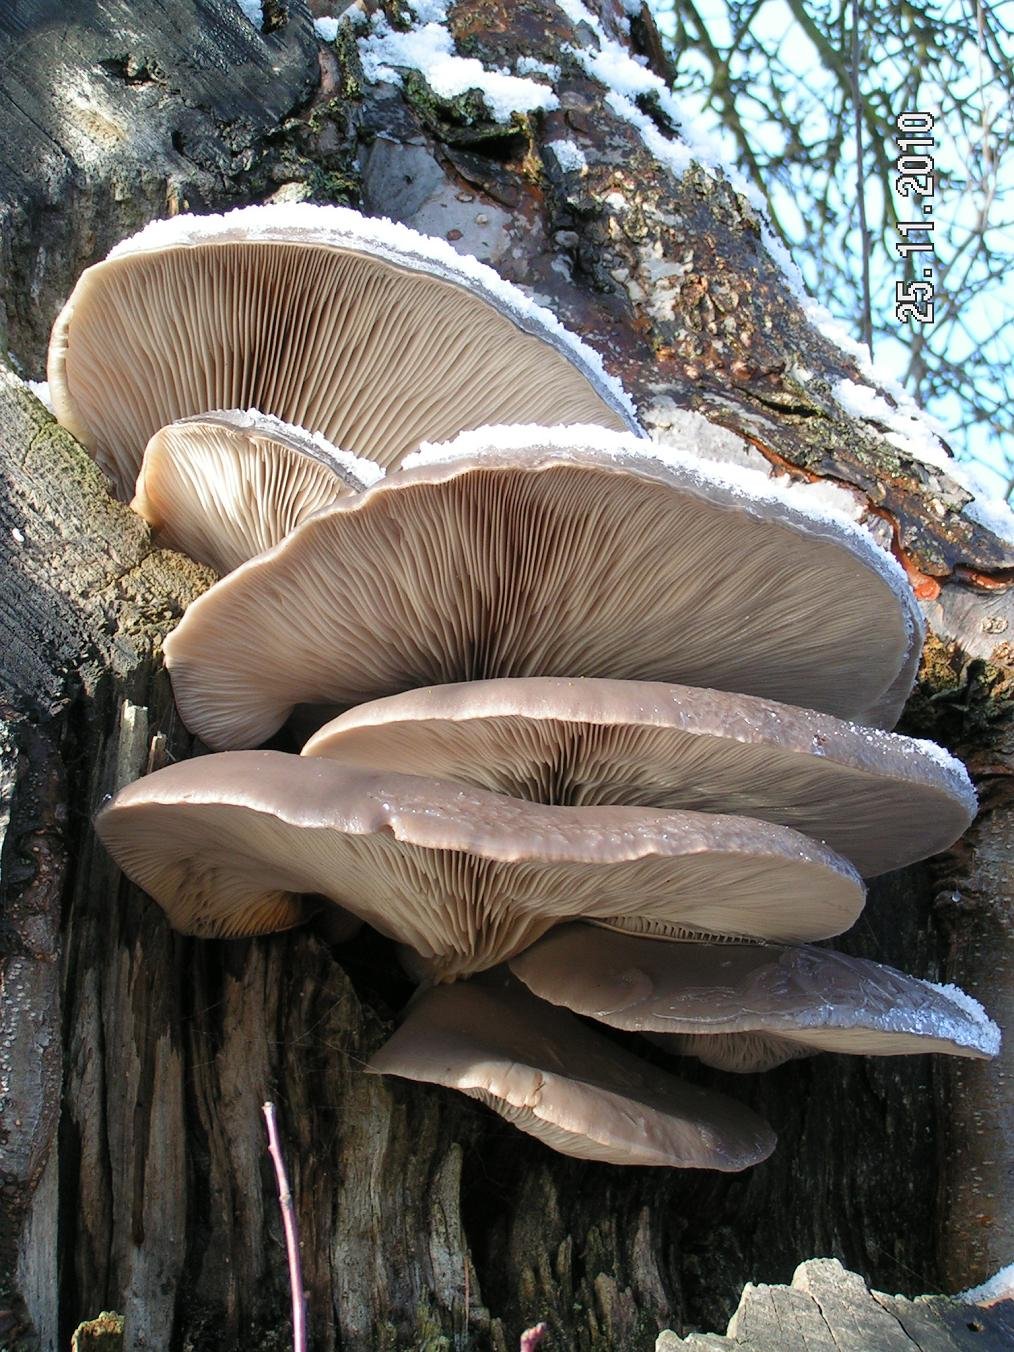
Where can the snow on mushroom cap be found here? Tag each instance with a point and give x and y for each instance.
(713, 1000)
(737, 483)
(464, 877)
(536, 561)
(560, 1081)
(309, 312)
(879, 799)
(227, 485)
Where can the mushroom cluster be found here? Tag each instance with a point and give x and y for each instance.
(589, 737)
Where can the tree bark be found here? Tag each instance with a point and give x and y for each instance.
(134, 1175)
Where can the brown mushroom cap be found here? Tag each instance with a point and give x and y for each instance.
(226, 844)
(363, 330)
(746, 1006)
(555, 552)
(560, 1081)
(880, 800)
(227, 485)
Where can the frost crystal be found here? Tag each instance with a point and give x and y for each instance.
(989, 1034)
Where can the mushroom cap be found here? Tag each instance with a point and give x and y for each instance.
(361, 329)
(227, 843)
(227, 485)
(556, 1079)
(553, 552)
(879, 799)
(745, 1006)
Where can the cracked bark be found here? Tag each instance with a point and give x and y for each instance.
(134, 1174)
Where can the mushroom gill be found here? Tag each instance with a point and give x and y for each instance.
(360, 329)
(227, 844)
(572, 552)
(879, 799)
(225, 486)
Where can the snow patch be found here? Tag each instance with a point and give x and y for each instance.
(907, 430)
(826, 493)
(569, 157)
(527, 65)
(40, 388)
(985, 509)
(627, 80)
(915, 434)
(341, 227)
(326, 27)
(999, 1287)
(254, 11)
(671, 425)
(429, 49)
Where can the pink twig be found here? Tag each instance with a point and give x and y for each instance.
(291, 1233)
(531, 1338)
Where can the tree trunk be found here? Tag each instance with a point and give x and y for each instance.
(134, 1062)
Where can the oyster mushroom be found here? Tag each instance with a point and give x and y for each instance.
(229, 844)
(741, 1006)
(558, 1080)
(549, 552)
(314, 314)
(880, 800)
(227, 485)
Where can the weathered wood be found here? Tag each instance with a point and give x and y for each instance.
(422, 1217)
(828, 1309)
(119, 111)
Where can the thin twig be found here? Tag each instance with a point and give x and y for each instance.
(864, 230)
(291, 1232)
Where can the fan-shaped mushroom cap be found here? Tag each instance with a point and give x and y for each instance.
(361, 329)
(466, 878)
(549, 552)
(227, 485)
(879, 799)
(745, 1006)
(560, 1081)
